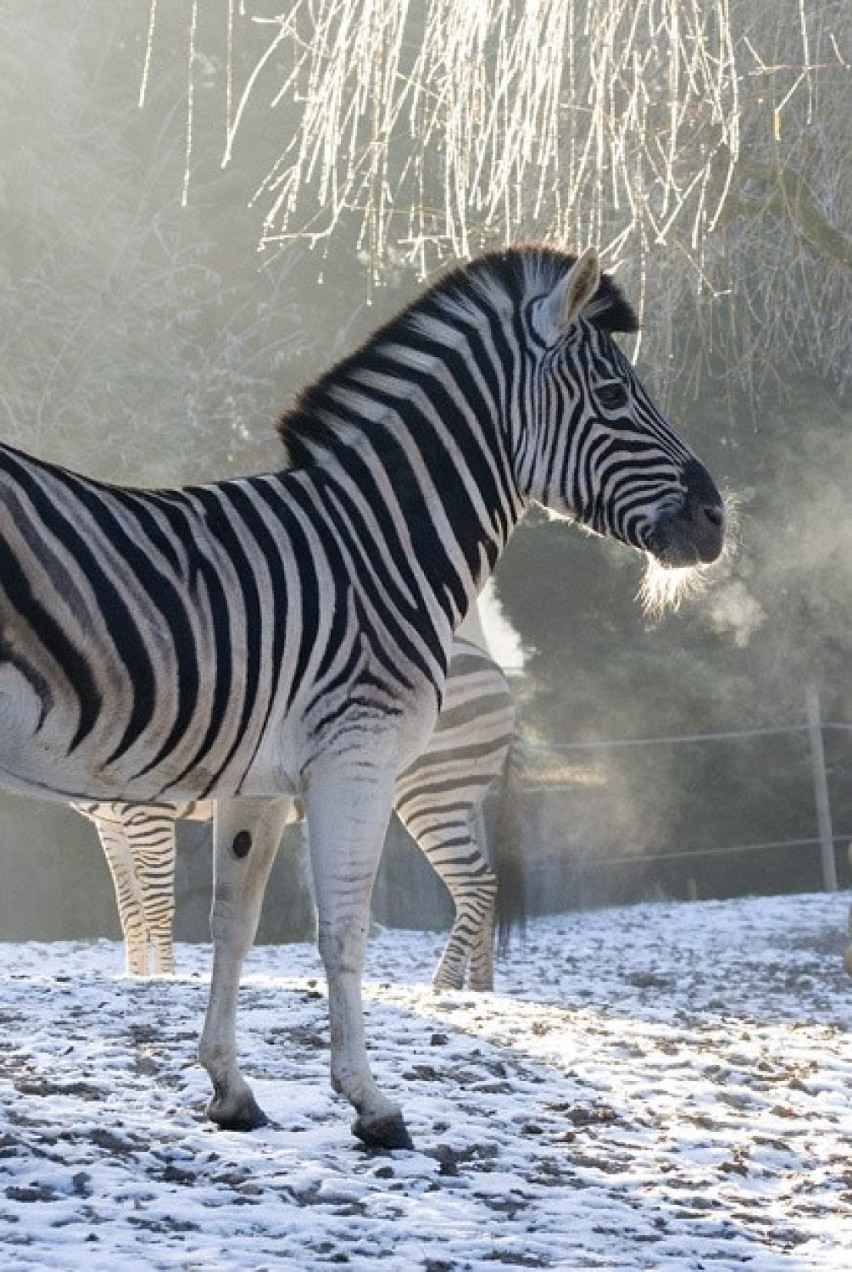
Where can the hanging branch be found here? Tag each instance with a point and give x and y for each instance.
(431, 130)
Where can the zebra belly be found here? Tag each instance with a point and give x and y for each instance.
(110, 729)
(21, 708)
(26, 766)
(38, 759)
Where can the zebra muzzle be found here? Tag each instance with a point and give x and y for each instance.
(693, 534)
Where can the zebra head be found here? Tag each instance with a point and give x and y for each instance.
(594, 446)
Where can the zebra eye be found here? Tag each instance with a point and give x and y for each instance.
(612, 395)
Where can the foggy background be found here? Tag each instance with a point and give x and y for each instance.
(197, 219)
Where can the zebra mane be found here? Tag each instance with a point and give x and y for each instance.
(500, 281)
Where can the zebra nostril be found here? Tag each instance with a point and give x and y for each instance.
(714, 514)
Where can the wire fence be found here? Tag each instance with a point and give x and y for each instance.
(667, 739)
(543, 800)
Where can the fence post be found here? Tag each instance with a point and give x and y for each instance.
(823, 808)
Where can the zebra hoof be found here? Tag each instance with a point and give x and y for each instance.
(383, 1132)
(249, 1116)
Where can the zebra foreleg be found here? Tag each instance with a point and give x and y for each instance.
(128, 894)
(155, 869)
(347, 822)
(246, 834)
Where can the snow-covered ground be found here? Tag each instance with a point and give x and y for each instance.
(664, 1085)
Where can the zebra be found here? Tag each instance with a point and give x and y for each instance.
(288, 633)
(438, 799)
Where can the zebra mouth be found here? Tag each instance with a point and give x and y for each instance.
(682, 554)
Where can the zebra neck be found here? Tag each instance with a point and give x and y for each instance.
(406, 467)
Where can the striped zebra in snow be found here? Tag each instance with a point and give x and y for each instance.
(289, 633)
(438, 799)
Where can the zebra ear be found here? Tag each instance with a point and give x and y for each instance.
(575, 290)
(580, 286)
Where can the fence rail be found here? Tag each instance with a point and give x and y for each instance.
(663, 739)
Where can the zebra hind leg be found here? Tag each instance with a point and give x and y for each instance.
(446, 838)
(481, 975)
(490, 903)
(471, 937)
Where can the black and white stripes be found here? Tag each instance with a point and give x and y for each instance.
(439, 799)
(290, 632)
